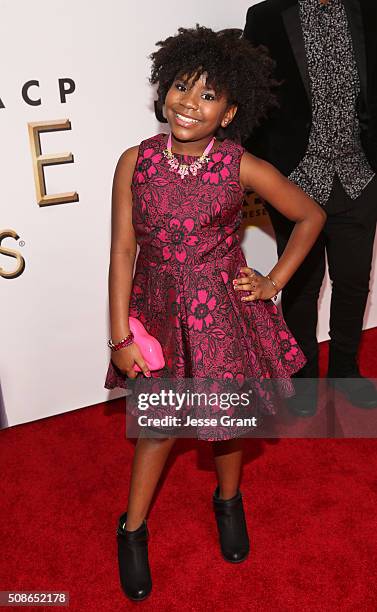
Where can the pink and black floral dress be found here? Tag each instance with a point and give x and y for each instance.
(188, 233)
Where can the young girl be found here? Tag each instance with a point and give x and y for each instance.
(179, 196)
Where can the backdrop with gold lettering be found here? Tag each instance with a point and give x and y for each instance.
(74, 94)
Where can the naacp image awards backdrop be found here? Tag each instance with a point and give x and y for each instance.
(74, 94)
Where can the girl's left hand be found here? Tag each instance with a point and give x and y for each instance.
(260, 286)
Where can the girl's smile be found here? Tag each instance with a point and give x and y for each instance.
(185, 121)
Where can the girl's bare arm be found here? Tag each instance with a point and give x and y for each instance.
(260, 176)
(122, 259)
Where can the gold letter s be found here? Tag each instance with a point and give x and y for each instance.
(9, 233)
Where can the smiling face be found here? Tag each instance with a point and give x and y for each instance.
(194, 110)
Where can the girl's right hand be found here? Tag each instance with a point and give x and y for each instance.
(125, 359)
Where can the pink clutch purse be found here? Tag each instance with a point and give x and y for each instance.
(149, 346)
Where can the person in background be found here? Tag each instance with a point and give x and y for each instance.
(324, 138)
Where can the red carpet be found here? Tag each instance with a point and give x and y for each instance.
(311, 507)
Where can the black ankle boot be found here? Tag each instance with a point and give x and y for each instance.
(134, 572)
(231, 525)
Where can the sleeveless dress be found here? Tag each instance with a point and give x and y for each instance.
(188, 233)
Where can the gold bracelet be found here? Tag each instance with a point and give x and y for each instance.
(274, 297)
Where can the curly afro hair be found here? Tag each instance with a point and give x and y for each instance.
(235, 68)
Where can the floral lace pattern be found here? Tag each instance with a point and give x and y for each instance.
(188, 233)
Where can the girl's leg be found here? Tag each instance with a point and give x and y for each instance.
(148, 462)
(227, 501)
(228, 462)
(134, 571)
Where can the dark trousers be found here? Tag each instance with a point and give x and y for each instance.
(347, 241)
